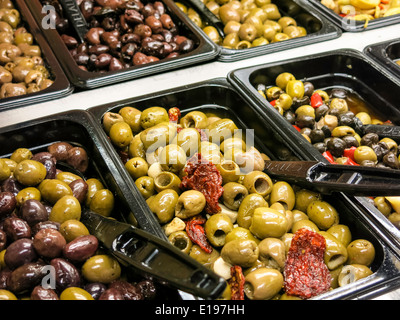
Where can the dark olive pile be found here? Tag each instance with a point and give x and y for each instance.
(40, 227)
(258, 217)
(22, 68)
(122, 34)
(334, 126)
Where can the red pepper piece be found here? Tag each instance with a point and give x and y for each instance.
(196, 233)
(236, 282)
(204, 176)
(350, 162)
(328, 156)
(349, 153)
(306, 274)
(316, 100)
(296, 127)
(174, 114)
(273, 102)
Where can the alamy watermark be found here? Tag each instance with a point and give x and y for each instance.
(49, 20)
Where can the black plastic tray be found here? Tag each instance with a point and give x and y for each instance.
(352, 25)
(341, 68)
(61, 86)
(206, 50)
(219, 97)
(318, 30)
(386, 54)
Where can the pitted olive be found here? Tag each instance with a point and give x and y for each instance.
(263, 284)
(247, 207)
(155, 137)
(136, 148)
(353, 272)
(181, 240)
(240, 233)
(172, 158)
(229, 170)
(153, 116)
(190, 203)
(145, 184)
(194, 119)
(305, 223)
(206, 259)
(220, 130)
(163, 205)
(132, 117)
(283, 192)
(216, 229)
(342, 233)
(121, 134)
(188, 139)
(137, 167)
(272, 253)
(267, 222)
(233, 194)
(323, 214)
(361, 251)
(240, 252)
(258, 182)
(335, 252)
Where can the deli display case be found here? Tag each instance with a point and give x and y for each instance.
(199, 247)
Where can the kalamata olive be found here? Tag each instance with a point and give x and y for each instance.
(103, 60)
(338, 93)
(166, 21)
(94, 34)
(45, 225)
(159, 7)
(147, 289)
(3, 240)
(110, 36)
(128, 50)
(81, 248)
(11, 185)
(49, 243)
(154, 23)
(308, 88)
(79, 189)
(129, 291)
(19, 253)
(108, 23)
(33, 212)
(350, 141)
(391, 160)
(95, 289)
(142, 30)
(82, 48)
(115, 64)
(130, 38)
(186, 46)
(26, 277)
(60, 150)
(86, 7)
(49, 162)
(112, 294)
(69, 41)
(8, 202)
(67, 275)
(16, 228)
(4, 275)
(133, 16)
(148, 10)
(140, 58)
(151, 47)
(336, 146)
(78, 158)
(98, 49)
(40, 293)
(81, 58)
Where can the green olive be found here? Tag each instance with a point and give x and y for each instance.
(220, 130)
(267, 222)
(229, 170)
(93, 186)
(206, 259)
(339, 104)
(269, 32)
(101, 268)
(232, 143)
(364, 117)
(163, 205)
(75, 293)
(307, 224)
(335, 277)
(280, 36)
(247, 207)
(172, 158)
(283, 78)
(132, 117)
(341, 232)
(67, 177)
(353, 272)
(299, 215)
(361, 251)
(272, 11)
(341, 131)
(231, 40)
(295, 89)
(304, 197)
(189, 140)
(181, 240)
(228, 13)
(285, 101)
(66, 208)
(240, 233)
(30, 172)
(323, 214)
(233, 194)
(292, 31)
(167, 180)
(213, 34)
(136, 148)
(363, 153)
(305, 110)
(273, 93)
(5, 170)
(335, 252)
(155, 137)
(194, 119)
(383, 206)
(283, 192)
(102, 202)
(7, 295)
(28, 193)
(121, 134)
(53, 189)
(287, 240)
(153, 116)
(231, 27)
(258, 182)
(272, 253)
(240, 252)
(216, 229)
(137, 167)
(190, 203)
(263, 284)
(211, 152)
(248, 32)
(72, 229)
(145, 184)
(21, 154)
(286, 296)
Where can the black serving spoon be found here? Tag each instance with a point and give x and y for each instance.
(329, 178)
(75, 17)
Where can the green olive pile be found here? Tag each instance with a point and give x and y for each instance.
(248, 23)
(333, 124)
(40, 210)
(22, 69)
(258, 216)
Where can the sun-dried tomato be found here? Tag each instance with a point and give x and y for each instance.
(196, 233)
(174, 114)
(236, 282)
(204, 176)
(306, 274)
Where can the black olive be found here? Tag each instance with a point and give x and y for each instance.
(317, 135)
(336, 146)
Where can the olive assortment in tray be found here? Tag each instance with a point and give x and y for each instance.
(45, 185)
(125, 40)
(210, 202)
(256, 27)
(28, 70)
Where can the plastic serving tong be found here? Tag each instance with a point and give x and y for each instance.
(383, 131)
(149, 255)
(328, 178)
(75, 17)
